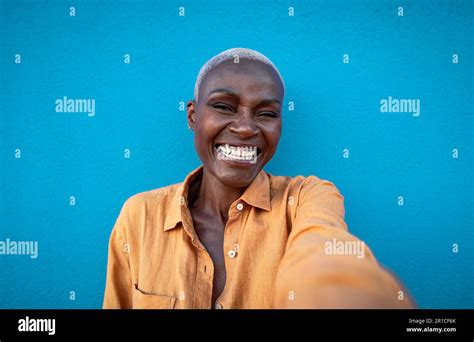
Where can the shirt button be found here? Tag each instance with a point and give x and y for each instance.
(240, 206)
(231, 253)
(219, 306)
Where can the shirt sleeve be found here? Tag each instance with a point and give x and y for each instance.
(324, 266)
(118, 288)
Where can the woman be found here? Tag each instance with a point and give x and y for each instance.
(232, 235)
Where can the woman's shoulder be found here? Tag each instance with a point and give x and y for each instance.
(301, 183)
(309, 192)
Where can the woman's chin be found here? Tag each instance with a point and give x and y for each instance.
(235, 175)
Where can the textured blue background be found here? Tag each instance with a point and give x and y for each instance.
(137, 107)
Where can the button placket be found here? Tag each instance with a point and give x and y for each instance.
(232, 231)
(203, 285)
(232, 253)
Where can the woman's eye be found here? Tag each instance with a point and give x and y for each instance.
(222, 107)
(269, 114)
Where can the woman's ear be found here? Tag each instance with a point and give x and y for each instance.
(191, 114)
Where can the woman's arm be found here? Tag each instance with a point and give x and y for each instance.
(324, 266)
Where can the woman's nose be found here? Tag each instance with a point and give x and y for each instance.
(244, 124)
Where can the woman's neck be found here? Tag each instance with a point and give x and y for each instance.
(212, 198)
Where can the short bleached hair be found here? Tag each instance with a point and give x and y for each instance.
(234, 53)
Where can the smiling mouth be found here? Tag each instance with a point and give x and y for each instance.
(241, 154)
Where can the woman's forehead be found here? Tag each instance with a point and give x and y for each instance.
(247, 76)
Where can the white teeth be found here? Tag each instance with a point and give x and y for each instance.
(244, 153)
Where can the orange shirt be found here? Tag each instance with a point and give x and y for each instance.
(286, 245)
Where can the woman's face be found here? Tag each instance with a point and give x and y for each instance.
(237, 120)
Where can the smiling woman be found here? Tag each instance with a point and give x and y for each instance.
(232, 235)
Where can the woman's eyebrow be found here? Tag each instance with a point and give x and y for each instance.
(232, 93)
(223, 90)
(269, 101)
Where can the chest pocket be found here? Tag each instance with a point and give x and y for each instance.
(143, 300)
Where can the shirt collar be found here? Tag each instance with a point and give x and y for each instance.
(257, 195)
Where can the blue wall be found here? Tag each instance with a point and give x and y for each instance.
(337, 107)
